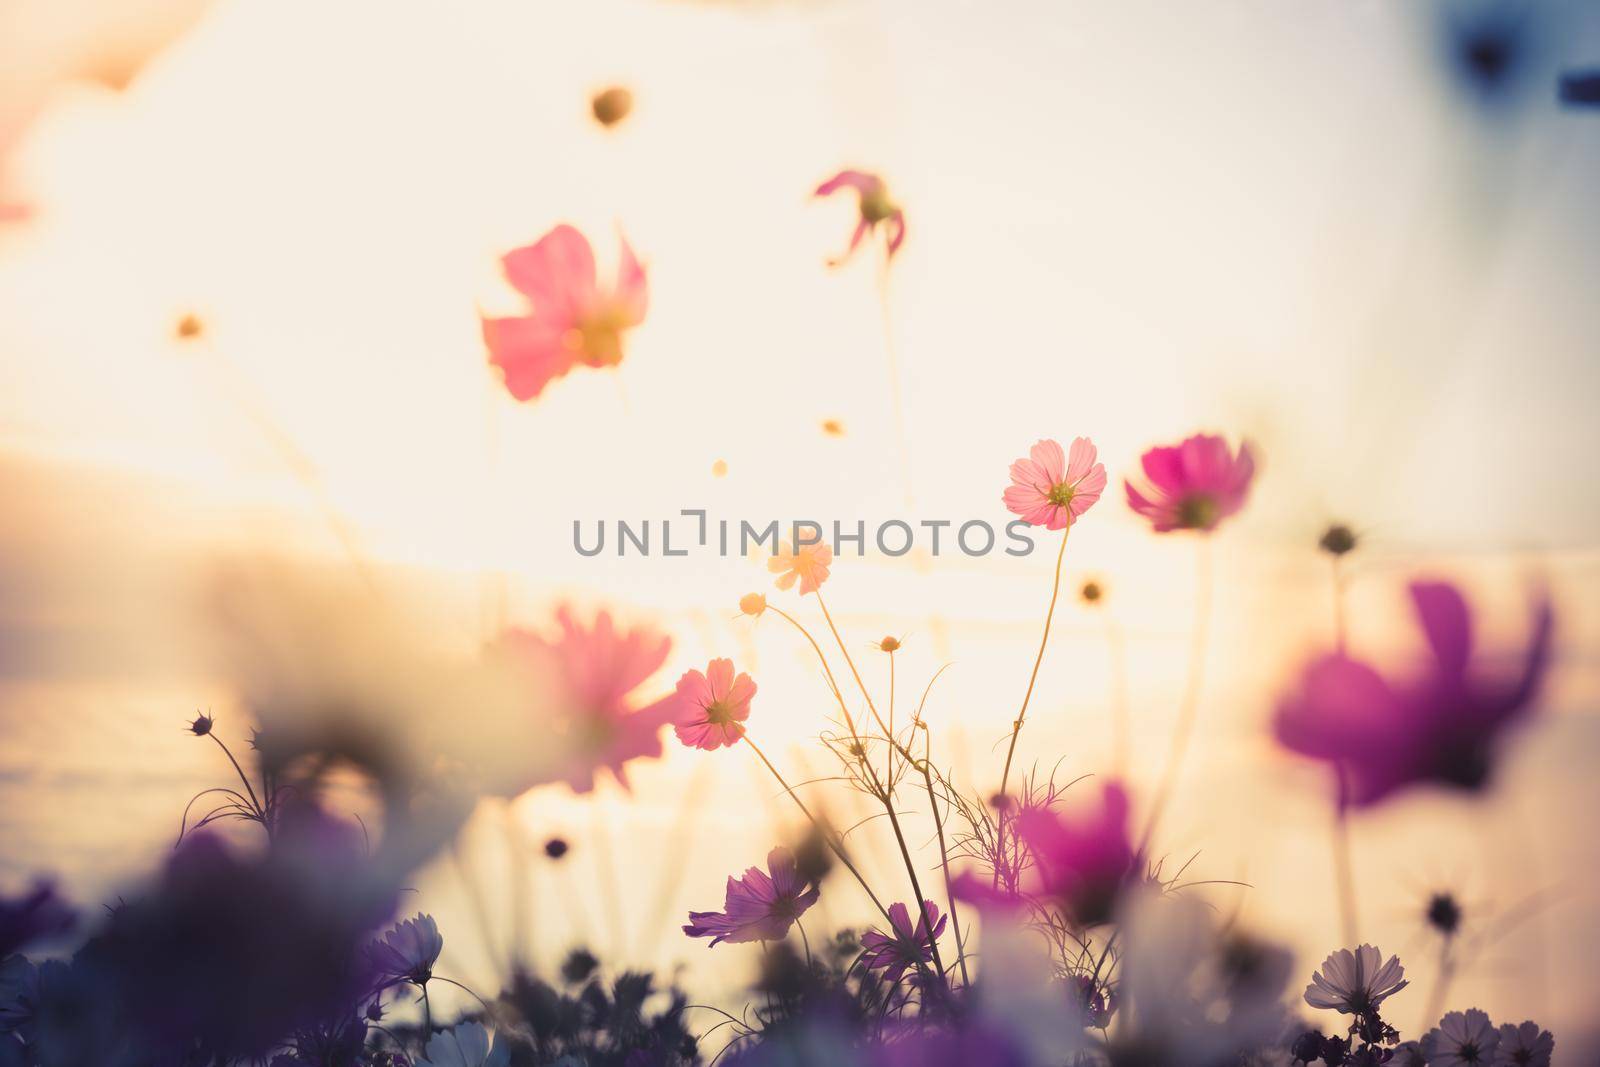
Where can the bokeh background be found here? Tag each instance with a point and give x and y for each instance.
(1362, 234)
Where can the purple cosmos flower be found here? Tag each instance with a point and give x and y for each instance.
(408, 952)
(1193, 485)
(1461, 1039)
(758, 907)
(906, 948)
(1355, 983)
(1524, 1046)
(1080, 861)
(1442, 727)
(35, 915)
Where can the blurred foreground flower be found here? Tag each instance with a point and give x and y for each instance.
(468, 1045)
(759, 906)
(1193, 485)
(1051, 488)
(807, 564)
(338, 676)
(876, 209)
(1442, 727)
(611, 105)
(574, 320)
(1082, 861)
(34, 916)
(585, 680)
(712, 706)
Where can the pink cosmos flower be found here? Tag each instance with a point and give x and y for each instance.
(595, 671)
(713, 706)
(1081, 861)
(905, 948)
(1441, 727)
(758, 907)
(808, 565)
(876, 209)
(1051, 488)
(1193, 486)
(573, 320)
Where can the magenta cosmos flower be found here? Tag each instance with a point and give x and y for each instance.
(906, 947)
(573, 320)
(1441, 727)
(807, 565)
(595, 670)
(713, 706)
(759, 906)
(1080, 861)
(876, 209)
(1194, 485)
(1051, 488)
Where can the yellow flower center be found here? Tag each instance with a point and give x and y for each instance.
(1061, 495)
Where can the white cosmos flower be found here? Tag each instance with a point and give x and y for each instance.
(1461, 1039)
(1355, 983)
(466, 1046)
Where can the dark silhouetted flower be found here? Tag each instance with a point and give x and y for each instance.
(1355, 982)
(201, 726)
(408, 951)
(1443, 913)
(1524, 1046)
(556, 847)
(1462, 1039)
(34, 916)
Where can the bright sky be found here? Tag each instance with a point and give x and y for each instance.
(1281, 221)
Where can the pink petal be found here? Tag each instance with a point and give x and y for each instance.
(556, 272)
(1163, 466)
(719, 678)
(633, 290)
(897, 231)
(1051, 460)
(528, 351)
(1447, 622)
(1079, 460)
(859, 180)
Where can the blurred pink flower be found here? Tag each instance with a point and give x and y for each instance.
(758, 907)
(1442, 727)
(1194, 485)
(876, 209)
(1355, 982)
(1081, 861)
(573, 320)
(594, 671)
(808, 565)
(1051, 488)
(905, 948)
(713, 705)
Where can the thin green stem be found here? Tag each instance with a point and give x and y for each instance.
(944, 855)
